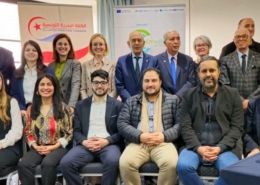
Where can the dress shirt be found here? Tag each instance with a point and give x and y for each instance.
(240, 57)
(140, 61)
(29, 80)
(175, 59)
(97, 123)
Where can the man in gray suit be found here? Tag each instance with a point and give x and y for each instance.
(241, 69)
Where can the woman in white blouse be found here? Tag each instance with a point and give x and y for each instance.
(99, 49)
(11, 129)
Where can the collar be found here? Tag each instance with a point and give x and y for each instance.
(141, 55)
(96, 62)
(240, 54)
(26, 67)
(170, 56)
(104, 100)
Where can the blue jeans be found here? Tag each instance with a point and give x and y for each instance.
(189, 162)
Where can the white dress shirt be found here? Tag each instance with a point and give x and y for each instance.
(29, 80)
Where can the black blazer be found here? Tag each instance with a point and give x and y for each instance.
(252, 128)
(228, 112)
(81, 120)
(231, 47)
(185, 73)
(7, 67)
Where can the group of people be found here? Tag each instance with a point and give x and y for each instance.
(174, 111)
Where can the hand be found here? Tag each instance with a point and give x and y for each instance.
(245, 105)
(23, 113)
(1, 146)
(95, 143)
(211, 154)
(156, 139)
(145, 137)
(176, 96)
(72, 110)
(253, 152)
(45, 150)
(202, 149)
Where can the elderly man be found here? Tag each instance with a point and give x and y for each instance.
(249, 24)
(211, 119)
(177, 68)
(148, 122)
(241, 69)
(130, 67)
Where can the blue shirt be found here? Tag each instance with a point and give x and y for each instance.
(240, 57)
(140, 61)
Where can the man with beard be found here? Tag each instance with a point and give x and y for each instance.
(241, 69)
(95, 133)
(148, 122)
(211, 119)
(129, 68)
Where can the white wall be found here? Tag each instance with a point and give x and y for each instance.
(216, 19)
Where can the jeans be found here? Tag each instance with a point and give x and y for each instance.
(189, 162)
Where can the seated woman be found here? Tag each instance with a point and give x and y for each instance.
(251, 140)
(25, 76)
(48, 131)
(11, 129)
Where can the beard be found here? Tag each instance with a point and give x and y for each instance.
(147, 94)
(99, 94)
(211, 85)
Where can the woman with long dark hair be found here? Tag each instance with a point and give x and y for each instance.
(25, 76)
(48, 131)
(67, 69)
(11, 129)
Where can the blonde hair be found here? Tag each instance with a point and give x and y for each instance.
(4, 104)
(91, 40)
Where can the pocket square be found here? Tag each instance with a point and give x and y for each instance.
(113, 116)
(253, 67)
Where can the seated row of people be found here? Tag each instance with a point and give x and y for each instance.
(209, 120)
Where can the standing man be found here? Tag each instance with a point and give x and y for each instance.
(95, 133)
(148, 122)
(177, 69)
(130, 67)
(212, 120)
(241, 69)
(249, 24)
(7, 67)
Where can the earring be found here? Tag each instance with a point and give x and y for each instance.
(37, 93)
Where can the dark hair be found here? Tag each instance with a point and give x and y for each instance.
(56, 99)
(71, 54)
(206, 58)
(40, 67)
(152, 69)
(100, 73)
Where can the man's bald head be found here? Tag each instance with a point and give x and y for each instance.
(249, 24)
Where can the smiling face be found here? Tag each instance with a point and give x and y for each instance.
(136, 42)
(46, 88)
(62, 47)
(98, 46)
(151, 84)
(201, 48)
(172, 42)
(30, 53)
(100, 86)
(241, 39)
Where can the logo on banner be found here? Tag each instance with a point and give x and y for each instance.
(145, 34)
(45, 31)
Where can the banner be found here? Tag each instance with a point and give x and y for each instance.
(152, 22)
(42, 22)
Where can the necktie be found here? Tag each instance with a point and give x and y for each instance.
(137, 67)
(173, 74)
(243, 63)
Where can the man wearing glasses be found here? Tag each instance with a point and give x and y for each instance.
(95, 133)
(241, 69)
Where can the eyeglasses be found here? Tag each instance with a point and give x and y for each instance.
(243, 37)
(97, 44)
(201, 45)
(102, 83)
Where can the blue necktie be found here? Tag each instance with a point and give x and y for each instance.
(173, 74)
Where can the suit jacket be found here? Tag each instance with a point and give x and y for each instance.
(252, 128)
(88, 68)
(17, 89)
(7, 67)
(127, 84)
(185, 73)
(82, 116)
(248, 84)
(70, 80)
(228, 112)
(231, 47)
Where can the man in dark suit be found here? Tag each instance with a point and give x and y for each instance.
(95, 133)
(177, 69)
(130, 67)
(241, 69)
(211, 119)
(252, 129)
(249, 24)
(7, 67)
